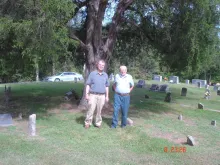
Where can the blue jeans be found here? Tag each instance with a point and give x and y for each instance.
(120, 102)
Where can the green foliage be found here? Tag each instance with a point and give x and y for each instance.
(38, 38)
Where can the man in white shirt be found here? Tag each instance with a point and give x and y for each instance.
(122, 86)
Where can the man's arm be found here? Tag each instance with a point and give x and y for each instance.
(106, 94)
(131, 84)
(87, 92)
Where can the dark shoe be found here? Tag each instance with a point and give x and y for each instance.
(113, 127)
(87, 126)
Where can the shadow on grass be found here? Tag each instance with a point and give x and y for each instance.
(80, 120)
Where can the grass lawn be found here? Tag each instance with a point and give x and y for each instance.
(62, 140)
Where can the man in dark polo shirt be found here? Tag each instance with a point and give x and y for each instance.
(97, 92)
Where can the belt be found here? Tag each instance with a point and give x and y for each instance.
(97, 93)
(123, 94)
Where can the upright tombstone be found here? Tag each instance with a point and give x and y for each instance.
(190, 140)
(141, 84)
(200, 106)
(5, 120)
(183, 91)
(164, 88)
(174, 79)
(157, 78)
(187, 81)
(180, 117)
(213, 122)
(203, 83)
(154, 87)
(168, 97)
(32, 125)
(218, 91)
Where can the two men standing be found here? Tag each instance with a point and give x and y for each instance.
(97, 93)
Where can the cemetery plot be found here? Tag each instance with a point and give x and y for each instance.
(141, 84)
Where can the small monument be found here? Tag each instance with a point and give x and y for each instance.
(71, 94)
(213, 122)
(190, 140)
(174, 79)
(180, 117)
(187, 81)
(157, 78)
(141, 84)
(5, 120)
(168, 97)
(163, 88)
(32, 125)
(183, 91)
(154, 87)
(200, 106)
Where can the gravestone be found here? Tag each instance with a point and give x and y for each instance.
(154, 87)
(168, 97)
(5, 120)
(174, 79)
(187, 81)
(163, 88)
(157, 78)
(141, 84)
(213, 122)
(190, 140)
(71, 94)
(199, 84)
(218, 91)
(146, 97)
(183, 91)
(202, 82)
(180, 117)
(200, 106)
(32, 125)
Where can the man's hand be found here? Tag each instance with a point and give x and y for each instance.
(106, 98)
(87, 96)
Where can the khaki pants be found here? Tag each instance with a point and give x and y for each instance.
(95, 102)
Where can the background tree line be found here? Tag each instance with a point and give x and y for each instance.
(40, 38)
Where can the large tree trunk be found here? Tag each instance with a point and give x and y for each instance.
(95, 46)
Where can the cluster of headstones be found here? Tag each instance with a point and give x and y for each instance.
(6, 120)
(172, 79)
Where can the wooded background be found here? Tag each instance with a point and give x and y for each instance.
(167, 37)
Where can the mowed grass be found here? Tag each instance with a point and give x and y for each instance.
(61, 138)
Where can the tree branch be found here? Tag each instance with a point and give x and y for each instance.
(74, 37)
(109, 44)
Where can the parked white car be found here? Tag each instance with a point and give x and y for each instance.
(65, 76)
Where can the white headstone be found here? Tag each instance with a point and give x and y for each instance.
(157, 78)
(187, 81)
(32, 125)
